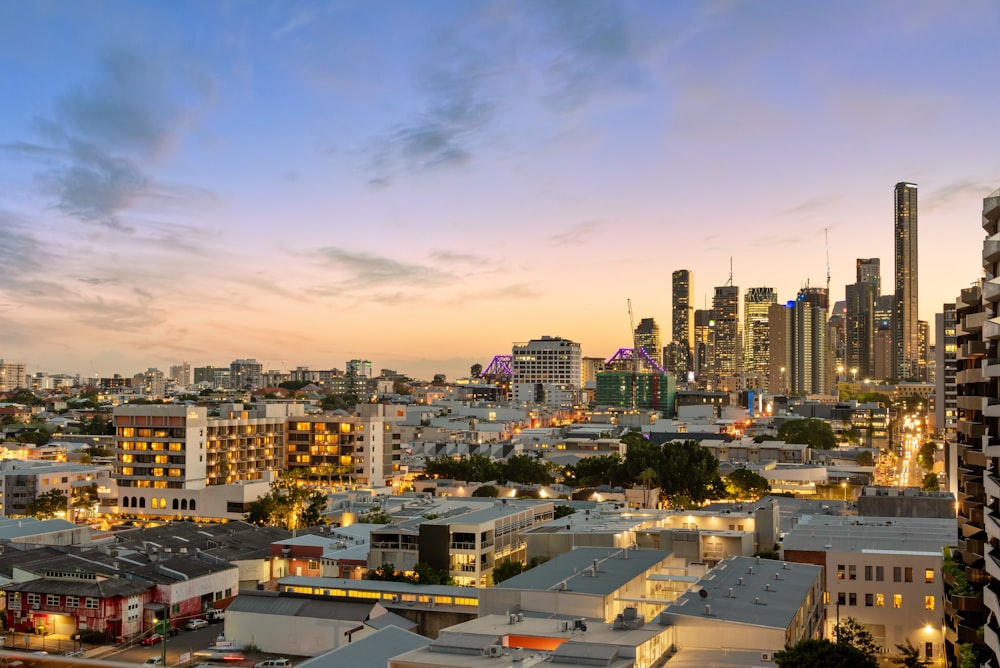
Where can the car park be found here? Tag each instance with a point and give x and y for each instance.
(195, 624)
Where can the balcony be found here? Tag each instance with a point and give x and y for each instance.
(991, 251)
(971, 402)
(972, 430)
(455, 545)
(974, 321)
(972, 349)
(991, 639)
(992, 486)
(991, 329)
(991, 290)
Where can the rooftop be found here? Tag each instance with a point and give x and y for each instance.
(615, 568)
(372, 651)
(845, 533)
(746, 590)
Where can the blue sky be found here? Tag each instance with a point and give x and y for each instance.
(423, 183)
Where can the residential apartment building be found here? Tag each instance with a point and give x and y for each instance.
(365, 447)
(678, 360)
(885, 572)
(973, 588)
(21, 482)
(465, 544)
(12, 375)
(171, 458)
(945, 395)
(547, 371)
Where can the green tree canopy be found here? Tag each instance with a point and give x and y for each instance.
(865, 459)
(596, 471)
(813, 653)
(809, 431)
(746, 485)
(488, 491)
(288, 504)
(48, 505)
(909, 656)
(851, 632)
(689, 473)
(506, 569)
(930, 482)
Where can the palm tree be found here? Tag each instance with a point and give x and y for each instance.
(647, 478)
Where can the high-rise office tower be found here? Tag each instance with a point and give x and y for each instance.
(756, 350)
(647, 337)
(809, 347)
(728, 348)
(680, 360)
(779, 334)
(869, 271)
(704, 348)
(861, 320)
(905, 326)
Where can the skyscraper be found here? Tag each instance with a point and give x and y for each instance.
(808, 345)
(861, 324)
(704, 349)
(647, 337)
(728, 349)
(679, 357)
(905, 327)
(756, 350)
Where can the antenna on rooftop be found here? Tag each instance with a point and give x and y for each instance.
(826, 234)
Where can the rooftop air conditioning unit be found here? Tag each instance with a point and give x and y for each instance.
(766, 656)
(494, 651)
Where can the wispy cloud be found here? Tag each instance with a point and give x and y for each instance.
(576, 234)
(968, 190)
(453, 257)
(97, 147)
(810, 205)
(363, 270)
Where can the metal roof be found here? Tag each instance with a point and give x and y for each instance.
(573, 568)
(838, 533)
(759, 592)
(372, 651)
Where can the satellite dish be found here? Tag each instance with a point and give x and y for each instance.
(702, 593)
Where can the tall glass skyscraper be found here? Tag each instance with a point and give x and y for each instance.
(905, 326)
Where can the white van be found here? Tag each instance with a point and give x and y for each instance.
(273, 663)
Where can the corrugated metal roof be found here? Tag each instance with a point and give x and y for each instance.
(373, 651)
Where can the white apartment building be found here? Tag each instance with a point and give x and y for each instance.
(365, 447)
(547, 371)
(885, 572)
(172, 459)
(12, 376)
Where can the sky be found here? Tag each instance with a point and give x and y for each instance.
(421, 184)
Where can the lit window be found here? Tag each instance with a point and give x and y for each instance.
(929, 575)
(879, 600)
(928, 602)
(897, 600)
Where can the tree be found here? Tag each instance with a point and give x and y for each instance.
(288, 504)
(809, 431)
(813, 653)
(439, 379)
(48, 505)
(35, 437)
(488, 491)
(475, 370)
(526, 469)
(506, 569)
(929, 483)
(746, 485)
(647, 479)
(595, 471)
(851, 632)
(562, 511)
(689, 473)
(865, 459)
(925, 456)
(909, 656)
(375, 517)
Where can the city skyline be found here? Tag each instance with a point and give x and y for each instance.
(424, 185)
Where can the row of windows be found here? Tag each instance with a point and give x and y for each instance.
(899, 573)
(54, 600)
(142, 445)
(161, 503)
(878, 600)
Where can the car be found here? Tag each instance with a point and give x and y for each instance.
(273, 663)
(151, 639)
(195, 624)
(153, 661)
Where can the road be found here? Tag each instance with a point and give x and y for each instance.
(184, 642)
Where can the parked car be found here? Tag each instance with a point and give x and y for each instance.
(153, 661)
(215, 616)
(151, 639)
(273, 663)
(195, 624)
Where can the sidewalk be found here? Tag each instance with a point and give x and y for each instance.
(52, 643)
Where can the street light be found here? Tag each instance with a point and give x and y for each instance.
(844, 485)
